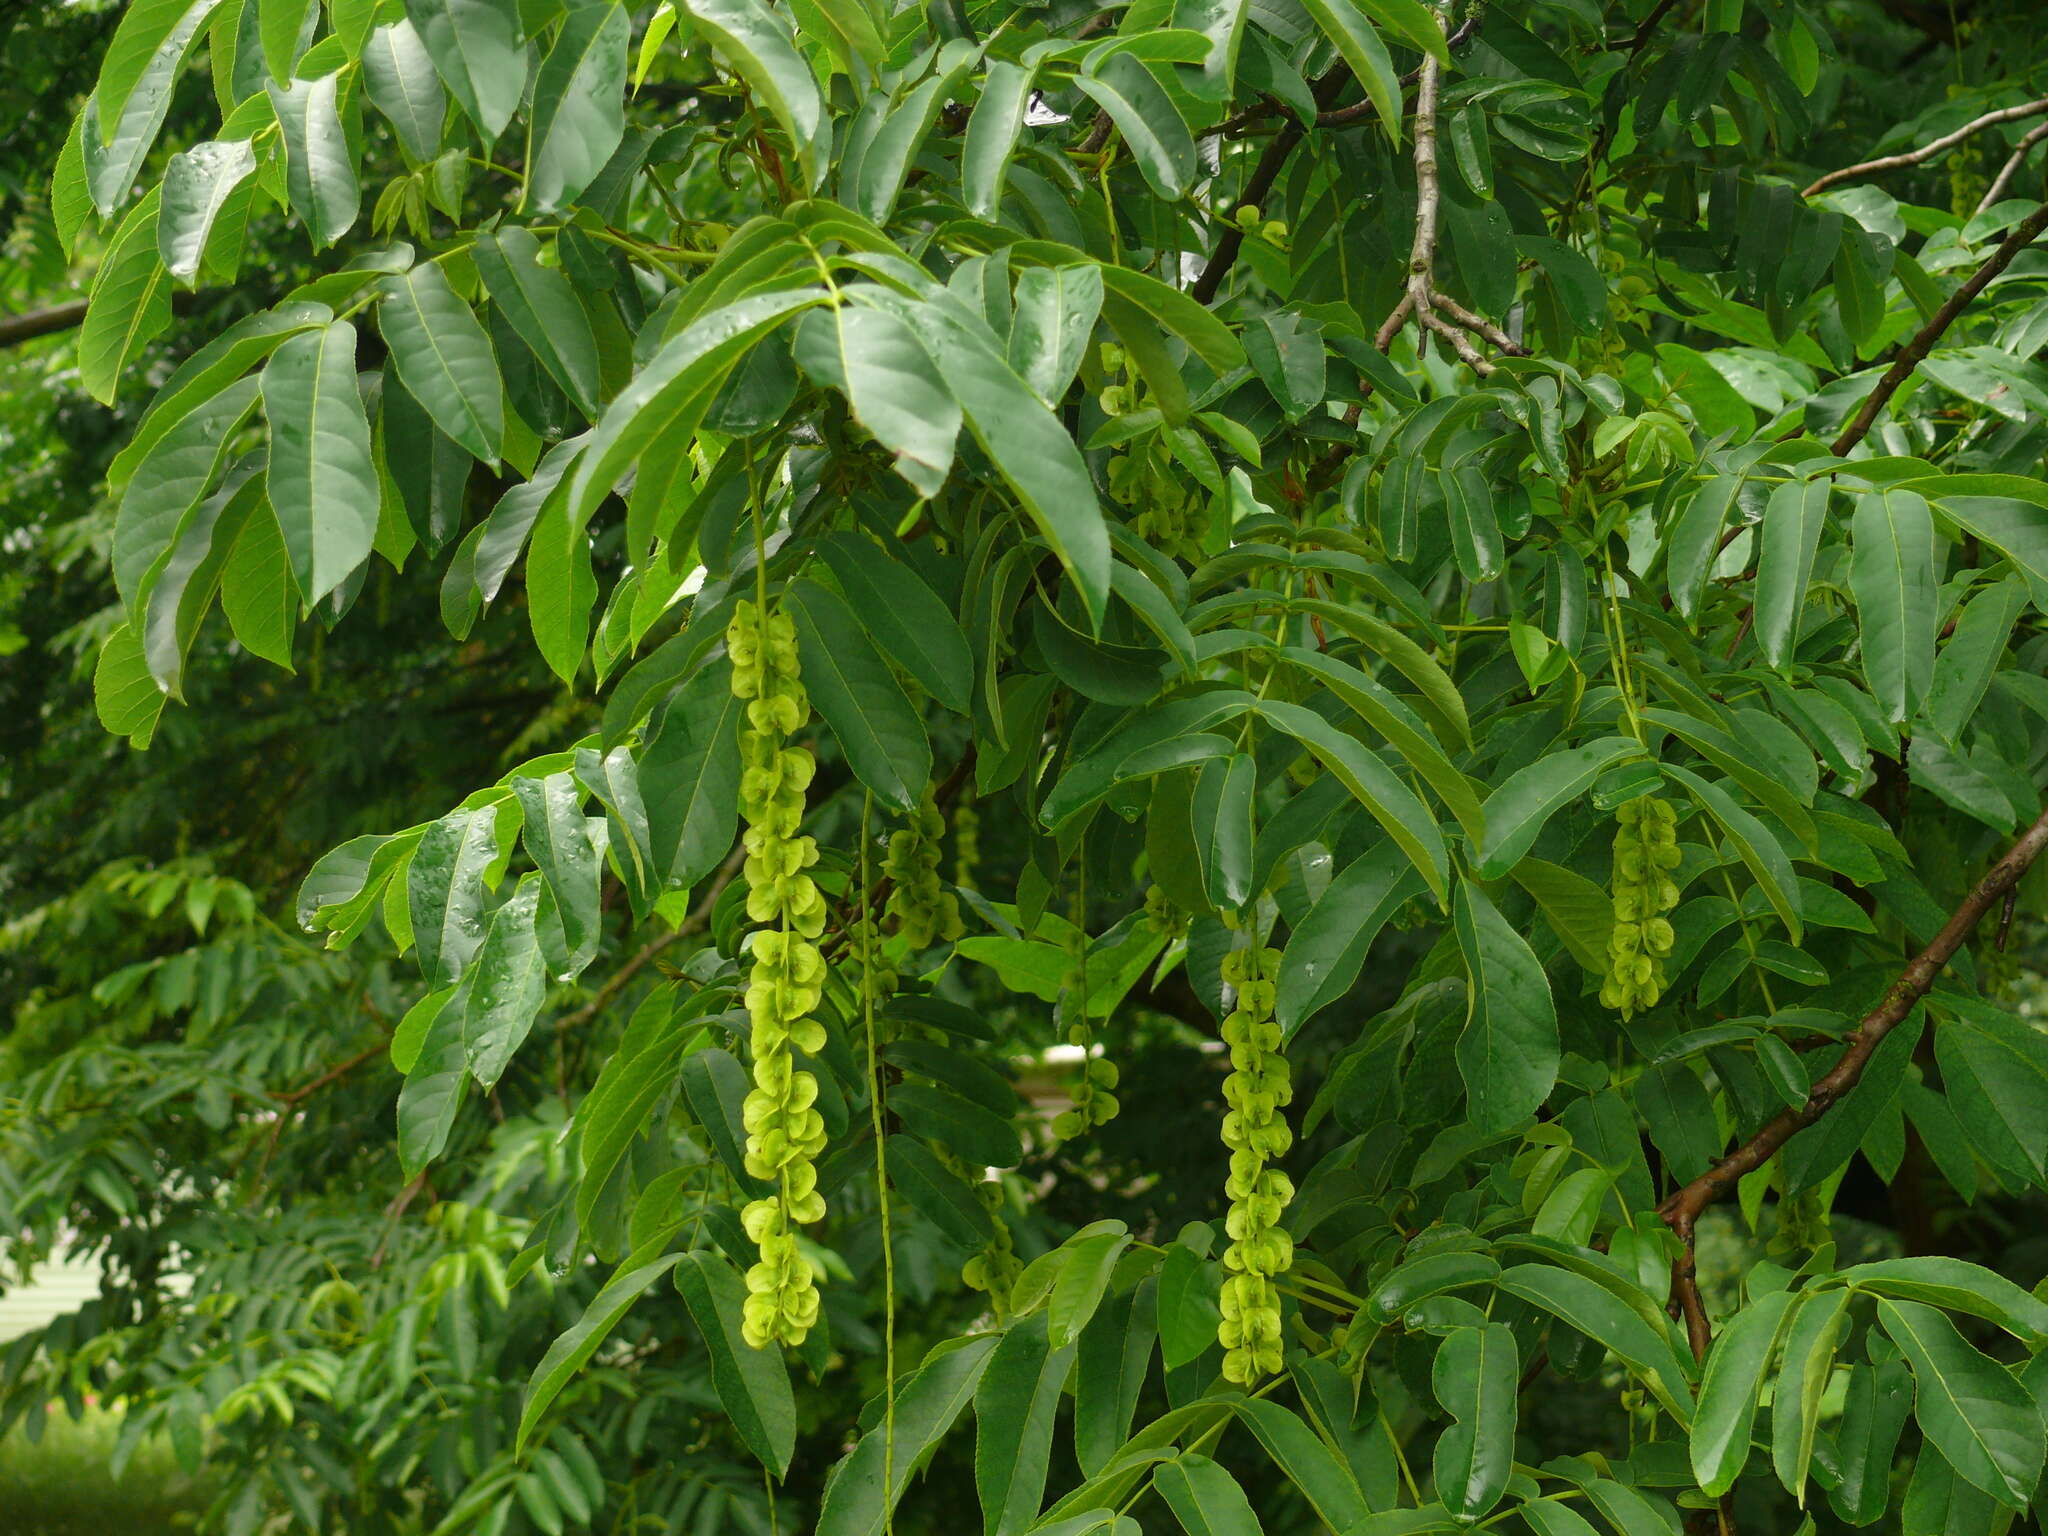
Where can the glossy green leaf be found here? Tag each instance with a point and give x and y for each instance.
(1734, 1374)
(1204, 1498)
(435, 1086)
(541, 306)
(1324, 1480)
(992, 132)
(852, 687)
(1806, 1359)
(130, 303)
(1892, 577)
(476, 47)
(445, 890)
(1476, 1378)
(757, 43)
(1016, 1410)
(1327, 950)
(690, 778)
(1355, 39)
(1601, 1315)
(574, 1347)
(321, 478)
(1758, 849)
(874, 359)
(1508, 1052)
(1790, 534)
(198, 185)
(1056, 312)
(444, 358)
(1517, 811)
(753, 1384)
(508, 986)
(1151, 124)
(578, 113)
(320, 165)
(399, 78)
(857, 1501)
(1981, 1419)
(906, 618)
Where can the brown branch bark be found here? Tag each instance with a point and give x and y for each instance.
(1930, 149)
(35, 323)
(2024, 235)
(1231, 241)
(1681, 1212)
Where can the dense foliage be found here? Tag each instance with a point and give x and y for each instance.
(1333, 690)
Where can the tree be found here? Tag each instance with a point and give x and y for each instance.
(1480, 570)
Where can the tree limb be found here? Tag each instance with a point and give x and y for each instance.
(1681, 1212)
(1909, 357)
(2003, 181)
(35, 323)
(1932, 148)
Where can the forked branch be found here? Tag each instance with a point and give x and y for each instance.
(1930, 149)
(1682, 1211)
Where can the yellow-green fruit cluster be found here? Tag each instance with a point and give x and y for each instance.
(996, 1267)
(1162, 914)
(1094, 1103)
(1645, 853)
(924, 910)
(1255, 1129)
(785, 1132)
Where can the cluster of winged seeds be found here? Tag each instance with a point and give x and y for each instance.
(1645, 853)
(785, 1132)
(923, 910)
(1255, 1129)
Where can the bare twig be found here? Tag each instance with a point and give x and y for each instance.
(1681, 1212)
(2002, 182)
(333, 1074)
(1930, 149)
(2024, 235)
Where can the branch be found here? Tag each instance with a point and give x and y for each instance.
(16, 329)
(1934, 147)
(2003, 181)
(697, 917)
(1264, 174)
(1682, 1211)
(1910, 355)
(1342, 116)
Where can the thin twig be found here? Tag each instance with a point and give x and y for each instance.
(1681, 1212)
(1340, 117)
(2003, 181)
(1910, 355)
(1231, 241)
(1930, 149)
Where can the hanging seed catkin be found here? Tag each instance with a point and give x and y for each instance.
(923, 910)
(1255, 1129)
(1645, 853)
(785, 1132)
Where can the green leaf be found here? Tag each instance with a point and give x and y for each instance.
(320, 165)
(856, 1502)
(1955, 1285)
(1439, 696)
(613, 777)
(1392, 803)
(859, 697)
(1188, 1306)
(878, 168)
(399, 77)
(1204, 1498)
(1971, 655)
(1579, 912)
(753, 1384)
(1365, 55)
(937, 1193)
(183, 582)
(1516, 811)
(1874, 1411)
(125, 696)
(977, 1134)
(1016, 1406)
(671, 392)
(1695, 540)
(138, 75)
(1891, 573)
(1604, 1317)
(1995, 1068)
(445, 890)
(476, 47)
(1109, 1373)
(572, 1350)
(1508, 1052)
(434, 1087)
(258, 592)
(716, 1086)
(541, 307)
(507, 987)
(1027, 442)
(690, 778)
(1082, 1283)
(1056, 313)
(1981, 1420)
(558, 838)
(1758, 849)
(168, 485)
(992, 131)
(1793, 520)
(1327, 950)
(578, 115)
(1313, 1468)
(130, 303)
(637, 1078)
(321, 478)
(1734, 1375)
(905, 617)
(1150, 123)
(874, 359)
(1806, 1361)
(444, 358)
(758, 44)
(198, 184)
(1476, 1378)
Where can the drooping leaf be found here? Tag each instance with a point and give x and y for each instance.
(753, 1384)
(321, 478)
(1508, 1052)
